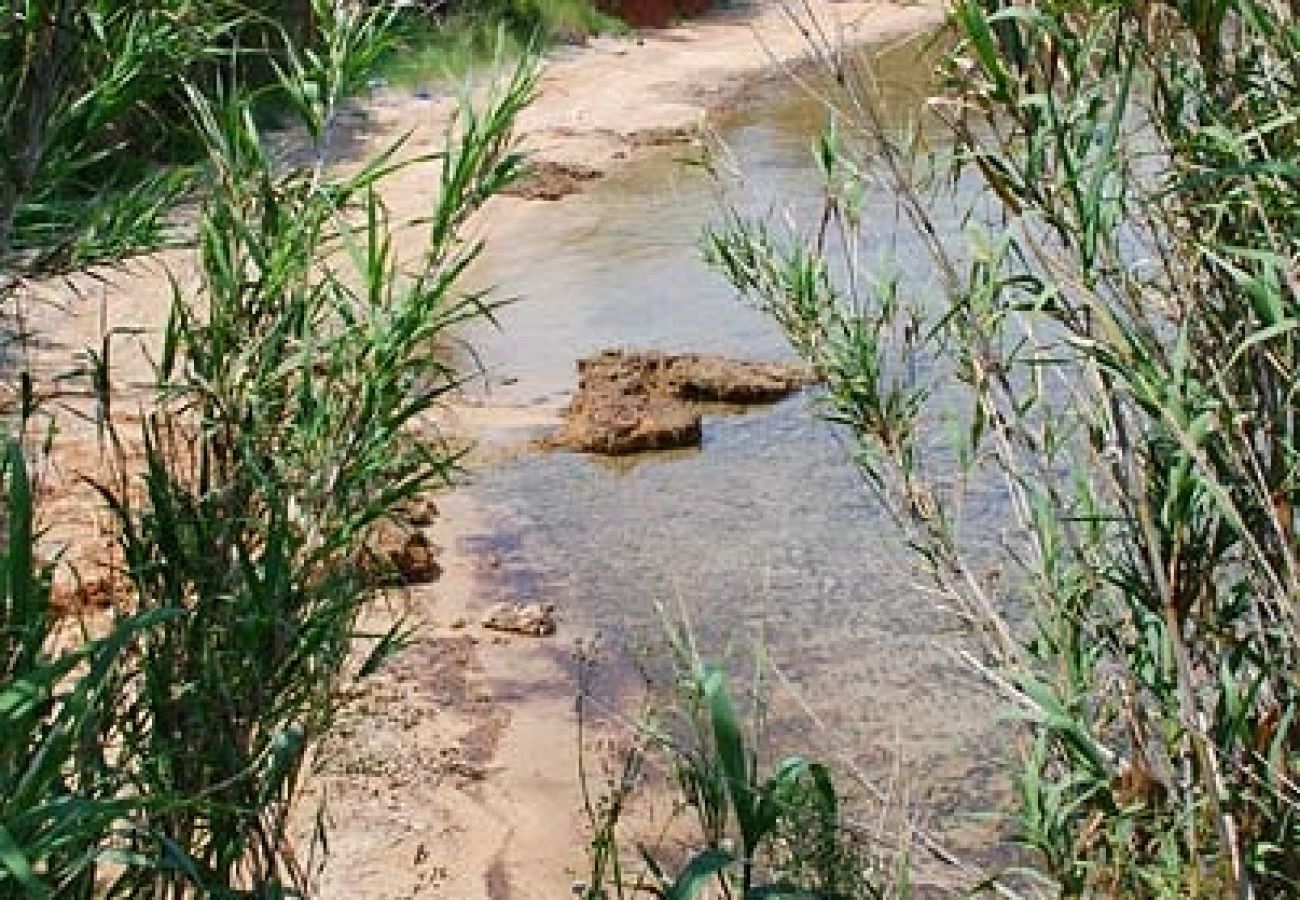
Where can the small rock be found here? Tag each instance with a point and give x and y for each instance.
(416, 562)
(634, 402)
(459, 622)
(532, 619)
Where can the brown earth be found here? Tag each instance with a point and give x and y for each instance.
(548, 180)
(631, 402)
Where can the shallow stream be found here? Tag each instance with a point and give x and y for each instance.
(766, 532)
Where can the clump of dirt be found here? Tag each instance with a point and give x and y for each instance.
(398, 552)
(663, 136)
(394, 557)
(100, 592)
(621, 424)
(717, 379)
(631, 402)
(552, 180)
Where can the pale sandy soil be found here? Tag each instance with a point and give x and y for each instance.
(454, 773)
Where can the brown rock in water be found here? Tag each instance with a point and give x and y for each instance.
(716, 379)
(532, 619)
(621, 424)
(635, 402)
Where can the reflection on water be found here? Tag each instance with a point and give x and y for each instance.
(767, 531)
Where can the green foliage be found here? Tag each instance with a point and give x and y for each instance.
(464, 35)
(60, 798)
(1116, 338)
(94, 126)
(544, 19)
(79, 81)
(289, 417)
(757, 836)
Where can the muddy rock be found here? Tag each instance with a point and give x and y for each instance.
(532, 619)
(625, 423)
(551, 180)
(716, 379)
(396, 555)
(634, 402)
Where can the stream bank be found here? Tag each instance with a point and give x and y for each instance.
(454, 773)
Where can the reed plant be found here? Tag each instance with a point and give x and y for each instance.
(742, 825)
(79, 83)
(95, 136)
(290, 391)
(60, 802)
(1109, 342)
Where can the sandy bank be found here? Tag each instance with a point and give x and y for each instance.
(603, 105)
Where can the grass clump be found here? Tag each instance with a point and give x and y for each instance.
(448, 43)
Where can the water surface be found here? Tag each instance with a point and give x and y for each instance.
(766, 532)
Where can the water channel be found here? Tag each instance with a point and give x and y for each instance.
(766, 532)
